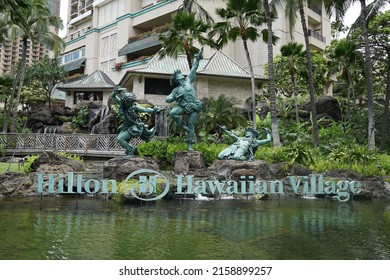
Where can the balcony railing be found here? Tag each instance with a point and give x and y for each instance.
(317, 35)
(315, 9)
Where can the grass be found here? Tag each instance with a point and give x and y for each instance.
(4, 167)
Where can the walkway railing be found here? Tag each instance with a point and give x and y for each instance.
(93, 144)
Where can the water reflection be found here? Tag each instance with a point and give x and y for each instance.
(63, 228)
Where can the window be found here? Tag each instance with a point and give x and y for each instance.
(68, 57)
(75, 55)
(157, 86)
(89, 96)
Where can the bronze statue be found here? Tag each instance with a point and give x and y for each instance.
(244, 147)
(131, 126)
(187, 103)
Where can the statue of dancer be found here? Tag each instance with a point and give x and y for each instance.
(187, 103)
(244, 147)
(132, 126)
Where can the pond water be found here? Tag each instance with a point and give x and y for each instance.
(70, 228)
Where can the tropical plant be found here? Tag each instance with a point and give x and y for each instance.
(379, 34)
(220, 111)
(37, 30)
(367, 12)
(6, 83)
(80, 119)
(185, 31)
(291, 51)
(240, 19)
(47, 72)
(270, 11)
(345, 59)
(292, 7)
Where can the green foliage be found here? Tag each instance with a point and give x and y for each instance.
(45, 74)
(220, 111)
(209, 151)
(184, 32)
(121, 192)
(80, 119)
(62, 119)
(165, 151)
(70, 156)
(1, 151)
(27, 165)
(286, 85)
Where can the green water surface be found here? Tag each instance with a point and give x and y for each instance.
(69, 228)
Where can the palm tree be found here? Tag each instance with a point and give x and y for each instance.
(367, 12)
(220, 111)
(291, 51)
(271, 73)
(240, 20)
(184, 32)
(291, 7)
(344, 55)
(39, 21)
(13, 6)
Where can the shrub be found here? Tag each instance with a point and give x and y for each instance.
(27, 165)
(80, 119)
(70, 156)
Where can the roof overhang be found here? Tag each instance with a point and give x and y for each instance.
(150, 42)
(75, 64)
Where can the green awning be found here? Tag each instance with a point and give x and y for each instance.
(143, 44)
(75, 64)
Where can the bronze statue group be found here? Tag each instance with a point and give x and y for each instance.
(187, 104)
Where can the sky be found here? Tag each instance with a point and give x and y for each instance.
(350, 16)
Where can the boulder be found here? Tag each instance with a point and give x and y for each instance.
(65, 128)
(186, 162)
(120, 168)
(299, 170)
(107, 126)
(326, 106)
(50, 159)
(234, 169)
(43, 115)
(16, 184)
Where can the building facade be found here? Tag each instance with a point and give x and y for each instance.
(116, 37)
(11, 51)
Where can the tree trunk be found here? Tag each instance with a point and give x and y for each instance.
(272, 95)
(11, 103)
(368, 76)
(252, 83)
(310, 77)
(385, 117)
(294, 90)
(21, 81)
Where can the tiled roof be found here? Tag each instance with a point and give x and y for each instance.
(218, 65)
(97, 79)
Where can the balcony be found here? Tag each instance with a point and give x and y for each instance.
(155, 14)
(76, 34)
(317, 35)
(81, 18)
(315, 9)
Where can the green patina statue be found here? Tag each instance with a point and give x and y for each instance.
(131, 126)
(187, 103)
(244, 147)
